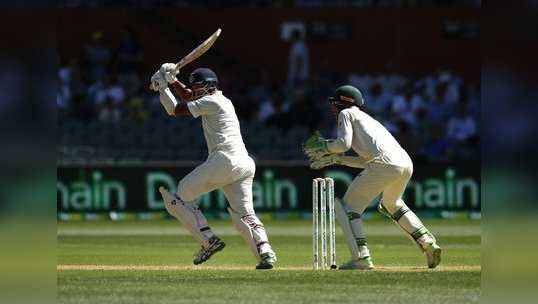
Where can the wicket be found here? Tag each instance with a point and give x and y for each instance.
(323, 199)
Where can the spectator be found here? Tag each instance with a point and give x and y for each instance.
(262, 89)
(461, 126)
(97, 93)
(130, 60)
(298, 61)
(109, 112)
(267, 109)
(100, 91)
(98, 57)
(406, 138)
(438, 110)
(136, 114)
(378, 101)
(64, 94)
(436, 148)
(280, 118)
(69, 83)
(115, 90)
(452, 87)
(320, 89)
(81, 109)
(428, 85)
(401, 105)
(417, 99)
(422, 128)
(472, 98)
(302, 111)
(64, 86)
(393, 82)
(129, 53)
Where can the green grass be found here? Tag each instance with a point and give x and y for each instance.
(151, 262)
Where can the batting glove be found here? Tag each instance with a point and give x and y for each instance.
(158, 81)
(169, 72)
(167, 67)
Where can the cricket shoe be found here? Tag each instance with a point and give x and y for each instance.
(215, 245)
(433, 254)
(268, 259)
(360, 264)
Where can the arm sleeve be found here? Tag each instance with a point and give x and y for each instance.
(202, 106)
(345, 134)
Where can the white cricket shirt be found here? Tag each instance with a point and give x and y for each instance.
(220, 123)
(368, 138)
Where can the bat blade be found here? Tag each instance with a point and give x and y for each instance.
(197, 52)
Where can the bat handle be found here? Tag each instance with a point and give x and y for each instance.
(178, 66)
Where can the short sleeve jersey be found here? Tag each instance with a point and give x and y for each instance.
(219, 121)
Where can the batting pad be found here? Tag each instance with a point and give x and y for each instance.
(352, 229)
(189, 215)
(410, 224)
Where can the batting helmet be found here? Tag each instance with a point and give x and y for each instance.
(203, 76)
(346, 95)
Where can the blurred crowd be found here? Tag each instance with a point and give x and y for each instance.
(272, 3)
(103, 83)
(104, 105)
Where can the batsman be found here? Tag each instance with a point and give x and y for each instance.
(228, 166)
(387, 170)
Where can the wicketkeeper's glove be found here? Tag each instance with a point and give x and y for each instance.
(315, 146)
(325, 161)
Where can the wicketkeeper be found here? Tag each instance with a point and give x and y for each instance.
(387, 170)
(228, 166)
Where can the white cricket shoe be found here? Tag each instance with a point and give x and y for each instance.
(360, 264)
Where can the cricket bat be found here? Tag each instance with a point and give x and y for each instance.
(194, 54)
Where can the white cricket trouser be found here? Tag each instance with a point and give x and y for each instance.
(377, 177)
(233, 173)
